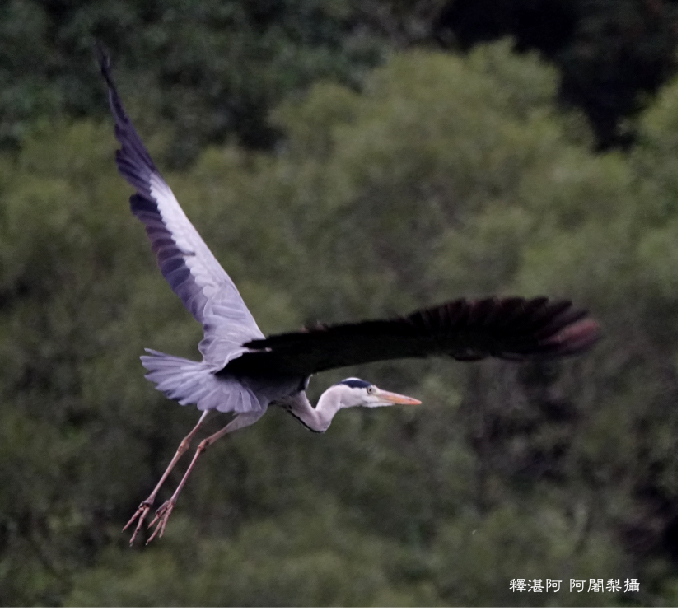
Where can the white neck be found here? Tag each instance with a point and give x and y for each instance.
(319, 418)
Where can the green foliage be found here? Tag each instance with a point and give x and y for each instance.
(612, 55)
(215, 69)
(304, 558)
(212, 68)
(445, 177)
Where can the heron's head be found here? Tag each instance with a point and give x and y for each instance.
(354, 392)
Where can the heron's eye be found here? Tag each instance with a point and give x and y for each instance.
(371, 390)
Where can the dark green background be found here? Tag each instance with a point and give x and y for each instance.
(343, 160)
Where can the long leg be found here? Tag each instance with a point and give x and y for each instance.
(163, 513)
(146, 505)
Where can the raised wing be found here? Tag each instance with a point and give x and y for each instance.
(508, 328)
(184, 260)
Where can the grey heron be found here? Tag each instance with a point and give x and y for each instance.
(243, 372)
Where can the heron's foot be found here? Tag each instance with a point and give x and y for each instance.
(161, 517)
(139, 517)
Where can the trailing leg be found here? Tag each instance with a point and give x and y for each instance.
(146, 505)
(165, 510)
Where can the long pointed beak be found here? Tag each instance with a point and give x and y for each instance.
(396, 398)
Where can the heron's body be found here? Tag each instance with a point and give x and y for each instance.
(243, 372)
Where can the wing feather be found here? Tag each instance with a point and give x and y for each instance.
(183, 257)
(507, 328)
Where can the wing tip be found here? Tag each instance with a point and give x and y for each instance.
(103, 58)
(576, 337)
(513, 328)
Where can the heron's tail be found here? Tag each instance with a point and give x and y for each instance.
(195, 382)
(178, 378)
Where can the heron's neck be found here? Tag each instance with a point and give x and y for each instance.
(319, 418)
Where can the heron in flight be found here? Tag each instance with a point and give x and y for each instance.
(243, 372)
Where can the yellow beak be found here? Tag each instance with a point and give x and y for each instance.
(396, 398)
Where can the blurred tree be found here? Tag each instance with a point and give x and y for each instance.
(215, 69)
(446, 176)
(212, 68)
(306, 558)
(611, 54)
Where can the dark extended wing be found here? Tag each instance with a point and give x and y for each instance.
(185, 261)
(508, 328)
